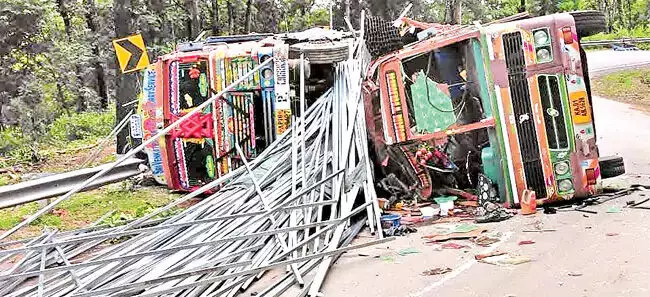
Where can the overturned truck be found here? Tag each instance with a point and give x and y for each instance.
(504, 108)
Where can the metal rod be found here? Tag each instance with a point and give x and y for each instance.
(147, 283)
(132, 152)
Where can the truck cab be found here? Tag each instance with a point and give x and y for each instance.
(253, 114)
(503, 108)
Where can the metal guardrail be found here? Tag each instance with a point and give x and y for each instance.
(59, 184)
(614, 41)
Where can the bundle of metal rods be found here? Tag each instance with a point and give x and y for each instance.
(291, 207)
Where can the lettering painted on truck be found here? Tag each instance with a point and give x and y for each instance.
(149, 116)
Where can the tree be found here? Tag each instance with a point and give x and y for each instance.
(126, 89)
(91, 22)
(193, 25)
(247, 16)
(453, 13)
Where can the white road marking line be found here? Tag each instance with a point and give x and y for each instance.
(456, 272)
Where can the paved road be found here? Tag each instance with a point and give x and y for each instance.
(606, 61)
(601, 265)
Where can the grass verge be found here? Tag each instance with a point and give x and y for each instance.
(85, 208)
(630, 86)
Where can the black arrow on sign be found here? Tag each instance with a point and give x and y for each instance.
(136, 54)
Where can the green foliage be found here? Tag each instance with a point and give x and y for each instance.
(81, 126)
(11, 138)
(639, 32)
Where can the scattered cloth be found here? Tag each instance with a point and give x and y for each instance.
(436, 271)
(464, 228)
(454, 246)
(490, 212)
(524, 242)
(408, 251)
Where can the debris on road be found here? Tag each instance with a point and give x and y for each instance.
(574, 274)
(436, 271)
(402, 230)
(506, 260)
(408, 251)
(526, 242)
(611, 234)
(387, 258)
(528, 202)
(550, 210)
(614, 209)
(454, 246)
(485, 240)
(460, 231)
(266, 214)
(540, 230)
(491, 254)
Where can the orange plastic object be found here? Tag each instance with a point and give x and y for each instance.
(528, 202)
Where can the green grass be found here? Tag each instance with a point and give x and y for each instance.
(66, 133)
(631, 86)
(85, 208)
(640, 32)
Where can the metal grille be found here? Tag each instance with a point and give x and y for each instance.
(381, 37)
(549, 91)
(521, 102)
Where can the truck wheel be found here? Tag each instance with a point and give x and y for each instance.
(321, 52)
(611, 166)
(589, 22)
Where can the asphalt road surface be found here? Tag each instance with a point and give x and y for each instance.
(603, 254)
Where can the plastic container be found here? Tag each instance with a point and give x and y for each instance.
(390, 220)
(446, 204)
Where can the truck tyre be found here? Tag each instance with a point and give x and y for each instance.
(611, 166)
(321, 52)
(589, 22)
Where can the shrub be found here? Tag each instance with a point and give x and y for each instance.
(81, 126)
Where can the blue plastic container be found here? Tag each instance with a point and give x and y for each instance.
(390, 220)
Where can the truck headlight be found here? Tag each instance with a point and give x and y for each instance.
(565, 185)
(543, 55)
(541, 37)
(562, 168)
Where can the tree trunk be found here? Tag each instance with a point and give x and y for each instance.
(126, 89)
(347, 10)
(453, 14)
(629, 15)
(65, 15)
(522, 6)
(247, 21)
(231, 17)
(67, 26)
(193, 21)
(91, 22)
(215, 18)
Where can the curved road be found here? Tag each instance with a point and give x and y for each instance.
(622, 129)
